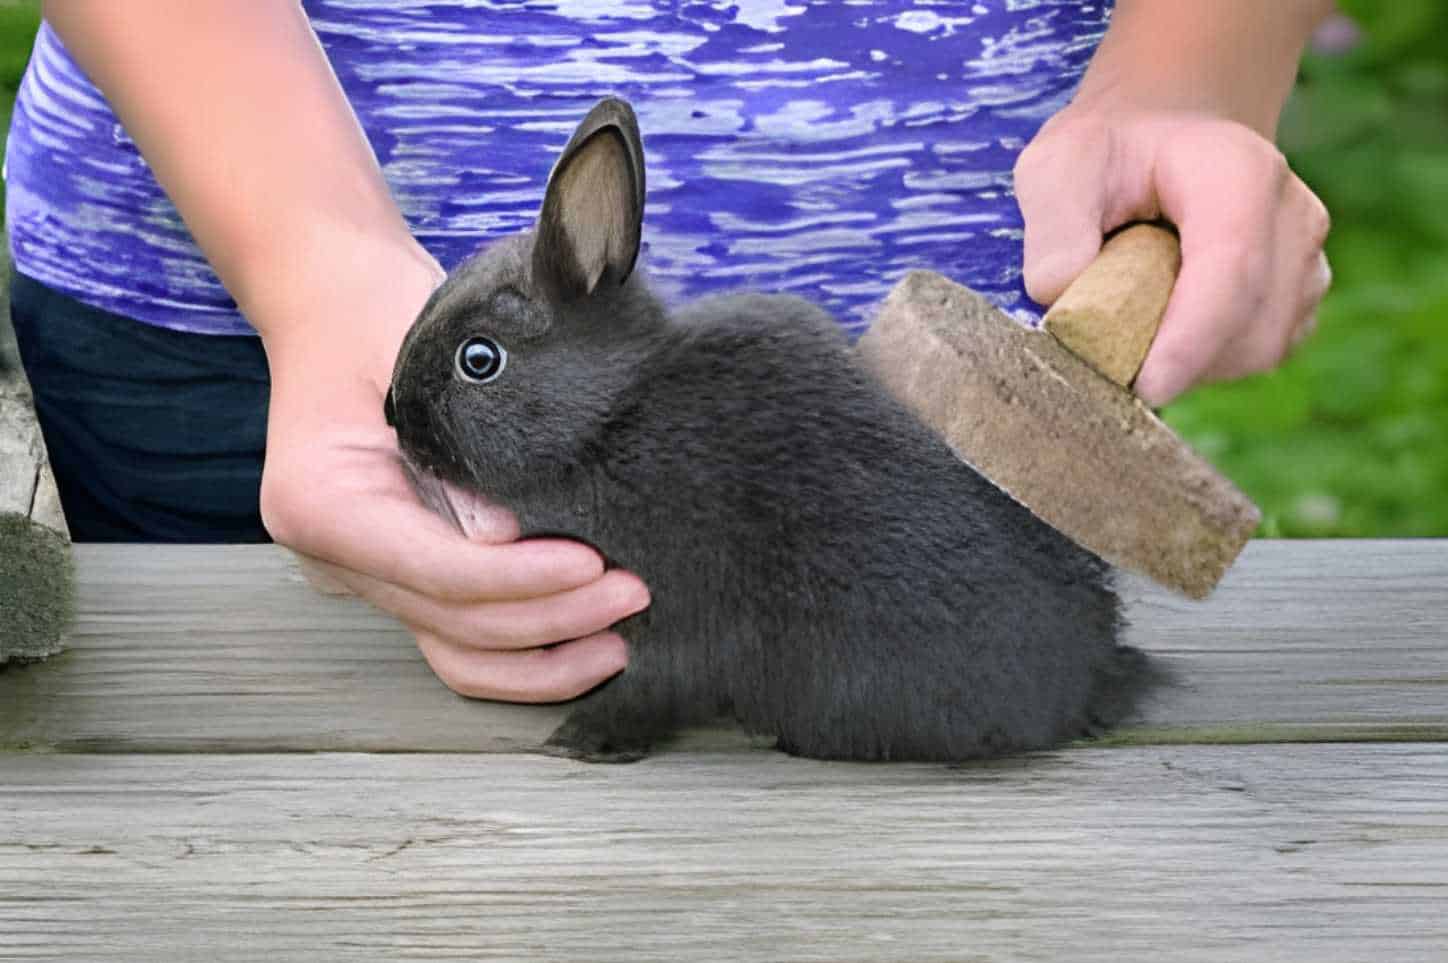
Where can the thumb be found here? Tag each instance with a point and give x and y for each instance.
(1063, 213)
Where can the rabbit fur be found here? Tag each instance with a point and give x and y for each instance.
(823, 569)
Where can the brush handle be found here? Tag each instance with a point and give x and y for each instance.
(1109, 315)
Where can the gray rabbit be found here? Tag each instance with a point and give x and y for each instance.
(823, 569)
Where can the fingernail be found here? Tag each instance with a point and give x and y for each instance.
(1155, 392)
(1040, 278)
(1303, 330)
(637, 598)
(585, 563)
(613, 656)
(1053, 273)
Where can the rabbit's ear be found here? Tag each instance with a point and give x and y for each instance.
(593, 210)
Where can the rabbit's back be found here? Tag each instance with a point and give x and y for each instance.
(822, 566)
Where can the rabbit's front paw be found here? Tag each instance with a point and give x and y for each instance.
(592, 739)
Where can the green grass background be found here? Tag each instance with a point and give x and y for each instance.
(18, 22)
(1350, 437)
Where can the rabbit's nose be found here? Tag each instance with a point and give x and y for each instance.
(389, 411)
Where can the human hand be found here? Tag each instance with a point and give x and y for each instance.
(484, 607)
(1173, 119)
(1253, 268)
(241, 119)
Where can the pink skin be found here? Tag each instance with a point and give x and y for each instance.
(238, 114)
(1253, 268)
(491, 634)
(1174, 119)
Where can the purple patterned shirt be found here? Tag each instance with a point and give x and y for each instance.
(819, 148)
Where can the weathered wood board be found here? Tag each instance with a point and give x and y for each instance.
(190, 831)
(36, 576)
(27, 486)
(1315, 854)
(227, 649)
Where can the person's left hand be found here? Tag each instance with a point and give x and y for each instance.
(1253, 268)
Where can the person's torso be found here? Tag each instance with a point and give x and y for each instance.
(823, 149)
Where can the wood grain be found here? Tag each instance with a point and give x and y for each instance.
(226, 649)
(1312, 853)
(1299, 853)
(27, 487)
(1109, 315)
(36, 578)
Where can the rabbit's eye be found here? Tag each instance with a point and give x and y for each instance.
(481, 359)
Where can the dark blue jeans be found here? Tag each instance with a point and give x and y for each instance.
(155, 435)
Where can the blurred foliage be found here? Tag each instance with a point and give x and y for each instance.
(18, 23)
(1350, 437)
(1402, 31)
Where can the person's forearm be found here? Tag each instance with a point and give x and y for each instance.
(1233, 58)
(237, 112)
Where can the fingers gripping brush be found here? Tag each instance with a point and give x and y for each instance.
(1048, 417)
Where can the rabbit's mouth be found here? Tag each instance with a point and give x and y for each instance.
(389, 409)
(470, 514)
(427, 462)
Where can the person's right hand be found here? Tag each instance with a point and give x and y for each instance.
(486, 609)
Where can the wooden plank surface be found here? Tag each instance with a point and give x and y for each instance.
(35, 568)
(1284, 853)
(227, 649)
(27, 486)
(185, 849)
